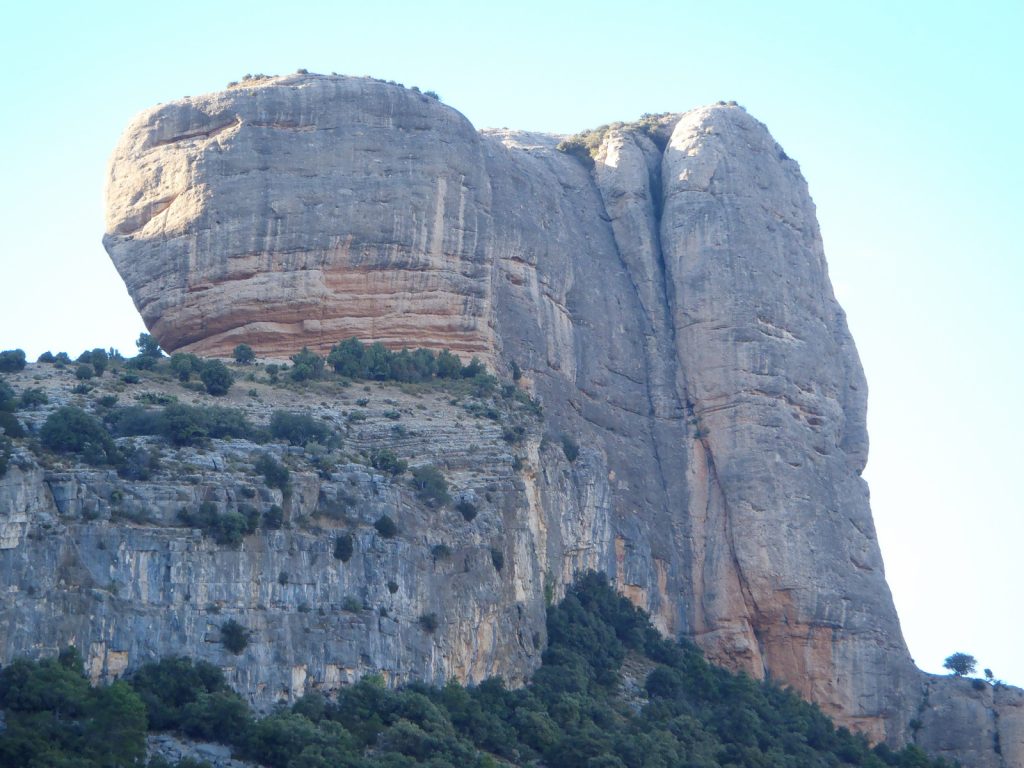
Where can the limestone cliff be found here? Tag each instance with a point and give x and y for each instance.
(671, 308)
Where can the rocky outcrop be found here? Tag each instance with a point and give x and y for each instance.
(670, 305)
(107, 563)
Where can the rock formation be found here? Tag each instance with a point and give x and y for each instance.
(671, 308)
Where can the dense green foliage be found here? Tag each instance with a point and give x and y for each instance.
(226, 528)
(8, 398)
(53, 717)
(572, 715)
(960, 663)
(298, 428)
(376, 362)
(431, 486)
(71, 430)
(275, 474)
(243, 354)
(12, 360)
(183, 424)
(216, 377)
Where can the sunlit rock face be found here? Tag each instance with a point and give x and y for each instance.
(669, 303)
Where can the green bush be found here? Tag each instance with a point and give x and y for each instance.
(431, 486)
(168, 686)
(10, 426)
(273, 518)
(99, 359)
(307, 365)
(84, 372)
(234, 636)
(298, 428)
(71, 430)
(216, 377)
(227, 529)
(8, 400)
(344, 547)
(183, 424)
(148, 346)
(12, 360)
(386, 527)
(54, 717)
(467, 509)
(243, 354)
(351, 604)
(428, 622)
(274, 473)
(5, 455)
(183, 365)
(385, 460)
(32, 398)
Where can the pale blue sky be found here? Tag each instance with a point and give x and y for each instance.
(905, 117)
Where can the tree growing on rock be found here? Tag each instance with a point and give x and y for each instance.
(960, 664)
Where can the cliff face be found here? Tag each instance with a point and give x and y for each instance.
(670, 306)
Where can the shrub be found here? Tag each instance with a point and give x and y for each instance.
(308, 365)
(431, 486)
(243, 354)
(275, 474)
(385, 460)
(99, 359)
(346, 358)
(351, 604)
(386, 527)
(216, 377)
(428, 622)
(12, 360)
(344, 547)
(234, 636)
(184, 365)
(298, 428)
(10, 426)
(182, 424)
(227, 529)
(168, 686)
(46, 357)
(497, 558)
(71, 430)
(467, 509)
(5, 455)
(441, 552)
(8, 401)
(84, 372)
(273, 518)
(139, 463)
(33, 397)
(148, 346)
(392, 587)
(448, 365)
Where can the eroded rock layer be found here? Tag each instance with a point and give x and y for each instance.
(669, 305)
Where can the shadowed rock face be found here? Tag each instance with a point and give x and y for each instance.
(670, 306)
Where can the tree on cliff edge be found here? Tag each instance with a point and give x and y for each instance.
(960, 664)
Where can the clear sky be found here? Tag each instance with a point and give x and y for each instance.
(905, 117)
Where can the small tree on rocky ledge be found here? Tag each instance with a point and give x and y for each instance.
(960, 664)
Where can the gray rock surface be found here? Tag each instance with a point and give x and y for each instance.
(671, 308)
